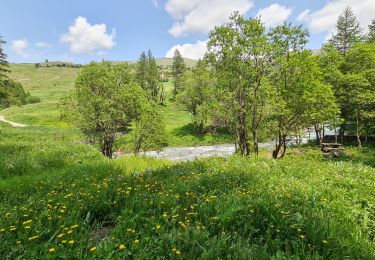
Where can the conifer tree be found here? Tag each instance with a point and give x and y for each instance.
(348, 31)
(371, 33)
(178, 68)
(3, 62)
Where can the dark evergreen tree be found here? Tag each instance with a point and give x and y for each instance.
(152, 76)
(3, 61)
(348, 31)
(371, 33)
(142, 71)
(178, 69)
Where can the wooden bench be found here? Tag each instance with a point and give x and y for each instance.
(331, 147)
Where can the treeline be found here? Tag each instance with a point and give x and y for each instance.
(11, 92)
(263, 83)
(258, 83)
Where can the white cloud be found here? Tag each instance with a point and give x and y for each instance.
(201, 16)
(274, 14)
(85, 38)
(188, 50)
(41, 45)
(20, 47)
(324, 20)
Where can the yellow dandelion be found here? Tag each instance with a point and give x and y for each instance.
(60, 235)
(71, 242)
(12, 228)
(27, 227)
(122, 247)
(324, 241)
(27, 222)
(302, 236)
(70, 232)
(93, 249)
(74, 226)
(178, 252)
(136, 241)
(63, 242)
(51, 250)
(157, 226)
(33, 238)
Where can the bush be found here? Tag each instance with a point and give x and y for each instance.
(32, 99)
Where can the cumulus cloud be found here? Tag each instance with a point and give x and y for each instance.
(41, 45)
(324, 19)
(20, 47)
(188, 50)
(201, 16)
(274, 14)
(85, 38)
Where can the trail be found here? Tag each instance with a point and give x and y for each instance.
(2, 119)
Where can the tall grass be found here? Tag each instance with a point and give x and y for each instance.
(80, 205)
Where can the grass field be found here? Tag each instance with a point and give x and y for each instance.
(50, 84)
(62, 199)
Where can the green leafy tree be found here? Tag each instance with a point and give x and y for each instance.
(238, 52)
(348, 31)
(196, 95)
(105, 100)
(356, 91)
(4, 65)
(149, 129)
(291, 73)
(371, 33)
(12, 94)
(178, 70)
(355, 95)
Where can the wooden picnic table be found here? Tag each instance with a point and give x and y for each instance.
(331, 147)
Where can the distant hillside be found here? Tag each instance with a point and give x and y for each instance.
(166, 63)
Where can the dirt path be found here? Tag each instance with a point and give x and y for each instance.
(2, 119)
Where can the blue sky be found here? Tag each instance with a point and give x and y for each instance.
(85, 30)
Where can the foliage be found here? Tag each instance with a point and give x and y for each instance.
(348, 31)
(238, 52)
(196, 95)
(105, 100)
(178, 69)
(149, 130)
(148, 76)
(3, 62)
(371, 33)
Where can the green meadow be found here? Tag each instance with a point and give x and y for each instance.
(60, 198)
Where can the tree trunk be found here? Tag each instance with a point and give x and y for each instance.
(256, 146)
(342, 132)
(107, 145)
(243, 143)
(318, 134)
(357, 130)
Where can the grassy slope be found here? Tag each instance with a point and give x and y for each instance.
(64, 196)
(50, 84)
(61, 195)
